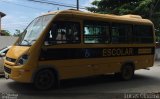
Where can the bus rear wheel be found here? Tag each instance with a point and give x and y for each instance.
(127, 72)
(44, 79)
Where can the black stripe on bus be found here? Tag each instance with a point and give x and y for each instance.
(79, 53)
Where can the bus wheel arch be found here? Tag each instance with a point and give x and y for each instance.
(126, 71)
(50, 77)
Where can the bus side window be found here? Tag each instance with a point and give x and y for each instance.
(115, 35)
(96, 32)
(73, 33)
(121, 33)
(143, 34)
(63, 33)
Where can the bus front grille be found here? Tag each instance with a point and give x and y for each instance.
(7, 70)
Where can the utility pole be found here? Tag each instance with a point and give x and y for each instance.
(77, 4)
(58, 8)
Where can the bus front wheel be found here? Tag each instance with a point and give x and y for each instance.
(44, 79)
(126, 73)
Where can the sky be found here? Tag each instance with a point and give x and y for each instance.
(19, 13)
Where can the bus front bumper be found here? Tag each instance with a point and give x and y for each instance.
(18, 73)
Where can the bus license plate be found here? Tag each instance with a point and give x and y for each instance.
(6, 76)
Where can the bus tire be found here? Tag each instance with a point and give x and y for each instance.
(44, 79)
(126, 73)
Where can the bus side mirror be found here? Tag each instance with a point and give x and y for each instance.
(2, 54)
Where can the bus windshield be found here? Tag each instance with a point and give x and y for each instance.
(33, 31)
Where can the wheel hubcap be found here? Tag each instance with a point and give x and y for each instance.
(45, 79)
(127, 72)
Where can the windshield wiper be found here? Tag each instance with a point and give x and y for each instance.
(27, 42)
(32, 41)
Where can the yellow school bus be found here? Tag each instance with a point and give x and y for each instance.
(70, 44)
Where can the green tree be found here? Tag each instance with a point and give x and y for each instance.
(145, 8)
(17, 33)
(149, 9)
(5, 33)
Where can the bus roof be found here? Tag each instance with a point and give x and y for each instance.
(129, 17)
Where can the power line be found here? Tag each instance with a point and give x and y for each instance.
(22, 5)
(45, 2)
(59, 2)
(51, 3)
(75, 5)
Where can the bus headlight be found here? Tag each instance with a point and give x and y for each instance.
(23, 59)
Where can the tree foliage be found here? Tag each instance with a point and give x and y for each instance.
(5, 33)
(149, 9)
(17, 33)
